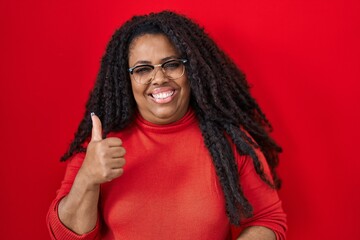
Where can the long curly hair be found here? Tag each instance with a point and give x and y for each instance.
(220, 98)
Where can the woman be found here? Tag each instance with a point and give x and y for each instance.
(199, 161)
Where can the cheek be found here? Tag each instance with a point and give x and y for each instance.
(138, 92)
(186, 88)
(137, 89)
(187, 92)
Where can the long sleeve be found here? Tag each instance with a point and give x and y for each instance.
(171, 184)
(267, 207)
(57, 230)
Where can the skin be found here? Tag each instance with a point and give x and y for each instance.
(104, 159)
(156, 49)
(257, 233)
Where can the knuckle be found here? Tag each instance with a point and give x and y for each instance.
(122, 161)
(106, 176)
(121, 172)
(118, 141)
(102, 154)
(123, 151)
(104, 145)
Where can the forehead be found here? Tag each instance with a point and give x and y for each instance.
(151, 47)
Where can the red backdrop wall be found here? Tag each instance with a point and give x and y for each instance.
(302, 58)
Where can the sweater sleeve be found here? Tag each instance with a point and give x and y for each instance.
(267, 207)
(57, 230)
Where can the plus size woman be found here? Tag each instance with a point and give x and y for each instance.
(172, 145)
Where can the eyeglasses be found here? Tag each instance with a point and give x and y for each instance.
(172, 69)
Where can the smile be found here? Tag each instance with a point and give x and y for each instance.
(163, 97)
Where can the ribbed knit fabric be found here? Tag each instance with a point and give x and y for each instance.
(169, 190)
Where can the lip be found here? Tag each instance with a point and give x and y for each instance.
(168, 94)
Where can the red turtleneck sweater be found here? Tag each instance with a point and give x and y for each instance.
(169, 190)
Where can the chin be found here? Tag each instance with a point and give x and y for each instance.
(165, 116)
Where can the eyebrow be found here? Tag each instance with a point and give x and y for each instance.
(140, 62)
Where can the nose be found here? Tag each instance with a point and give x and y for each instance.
(159, 77)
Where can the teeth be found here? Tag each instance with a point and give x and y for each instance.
(163, 95)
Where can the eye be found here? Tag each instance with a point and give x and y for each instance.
(142, 70)
(172, 64)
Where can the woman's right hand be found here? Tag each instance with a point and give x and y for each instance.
(104, 158)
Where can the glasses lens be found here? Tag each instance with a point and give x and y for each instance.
(173, 69)
(142, 74)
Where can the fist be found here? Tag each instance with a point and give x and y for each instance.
(104, 159)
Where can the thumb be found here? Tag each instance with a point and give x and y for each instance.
(96, 133)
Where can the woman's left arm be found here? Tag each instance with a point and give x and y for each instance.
(268, 220)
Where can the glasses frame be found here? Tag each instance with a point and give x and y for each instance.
(131, 70)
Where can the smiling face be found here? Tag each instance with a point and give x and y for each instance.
(162, 101)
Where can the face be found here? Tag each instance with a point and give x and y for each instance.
(162, 101)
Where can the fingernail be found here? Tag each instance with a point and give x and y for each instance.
(92, 113)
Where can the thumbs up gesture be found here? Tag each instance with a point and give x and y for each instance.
(104, 158)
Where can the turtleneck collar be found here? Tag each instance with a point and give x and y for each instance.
(188, 119)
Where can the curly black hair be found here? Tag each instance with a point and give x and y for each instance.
(220, 98)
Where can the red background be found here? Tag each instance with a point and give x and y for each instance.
(302, 57)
